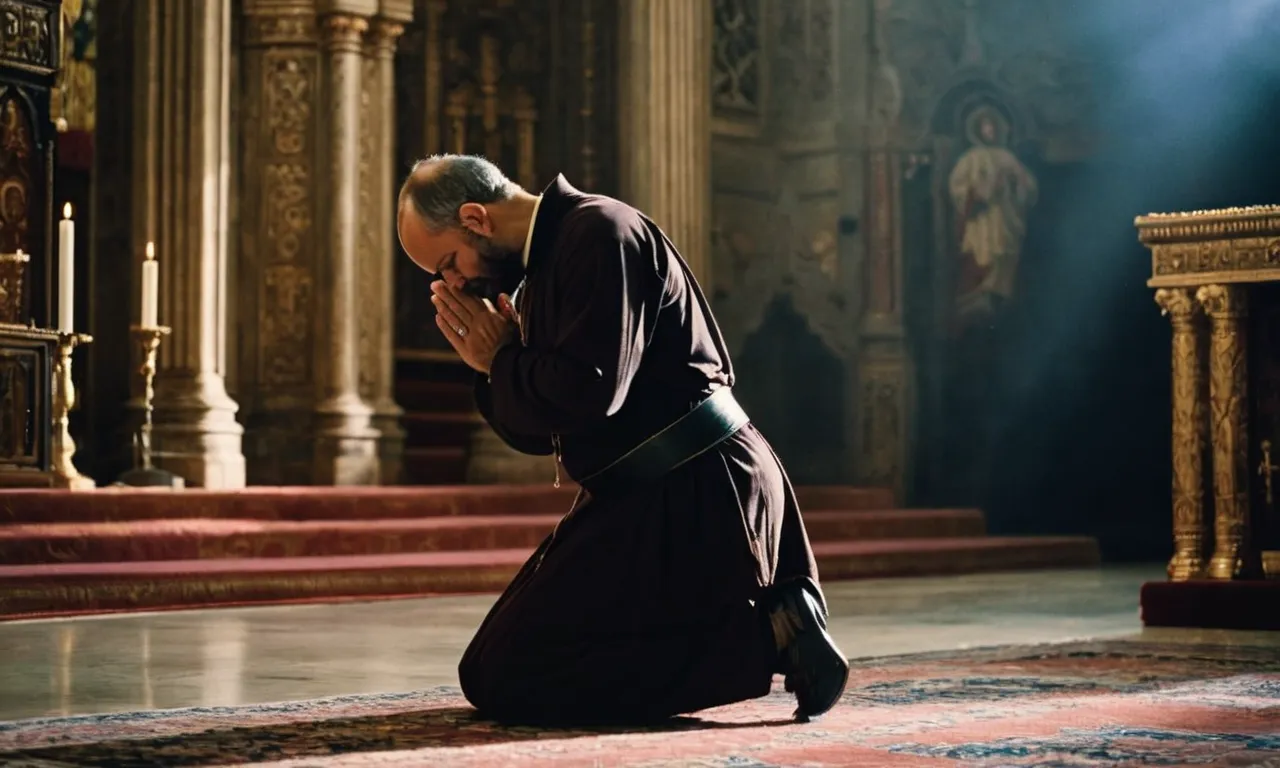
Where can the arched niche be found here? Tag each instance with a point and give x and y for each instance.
(794, 388)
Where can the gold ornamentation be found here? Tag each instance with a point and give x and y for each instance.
(1227, 308)
(285, 290)
(17, 149)
(27, 36)
(1189, 530)
(65, 474)
(13, 270)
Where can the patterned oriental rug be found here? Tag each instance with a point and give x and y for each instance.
(1097, 703)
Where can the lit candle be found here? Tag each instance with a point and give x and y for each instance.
(150, 287)
(66, 271)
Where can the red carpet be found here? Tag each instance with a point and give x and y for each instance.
(67, 553)
(1094, 704)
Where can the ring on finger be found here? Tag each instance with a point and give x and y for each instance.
(460, 330)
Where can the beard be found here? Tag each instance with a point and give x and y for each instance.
(503, 270)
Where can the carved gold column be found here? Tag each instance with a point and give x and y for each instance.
(1227, 308)
(1190, 533)
(665, 120)
(182, 167)
(345, 441)
(378, 246)
(280, 222)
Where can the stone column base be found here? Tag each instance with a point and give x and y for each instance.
(196, 433)
(346, 444)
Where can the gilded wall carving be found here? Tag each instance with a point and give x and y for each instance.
(17, 155)
(286, 236)
(28, 35)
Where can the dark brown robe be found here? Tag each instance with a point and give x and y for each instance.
(641, 605)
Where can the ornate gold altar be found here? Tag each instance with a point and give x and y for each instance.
(26, 405)
(1217, 276)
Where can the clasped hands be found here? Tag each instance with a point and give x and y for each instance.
(473, 326)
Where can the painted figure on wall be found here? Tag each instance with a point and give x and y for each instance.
(992, 192)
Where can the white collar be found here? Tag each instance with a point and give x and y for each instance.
(528, 238)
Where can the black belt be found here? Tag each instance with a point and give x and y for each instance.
(710, 423)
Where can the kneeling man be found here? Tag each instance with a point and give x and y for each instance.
(682, 578)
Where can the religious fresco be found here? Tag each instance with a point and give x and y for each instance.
(991, 193)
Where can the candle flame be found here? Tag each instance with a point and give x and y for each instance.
(151, 251)
(66, 211)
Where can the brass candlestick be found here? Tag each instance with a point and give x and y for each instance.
(65, 474)
(144, 474)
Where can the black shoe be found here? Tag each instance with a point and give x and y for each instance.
(816, 671)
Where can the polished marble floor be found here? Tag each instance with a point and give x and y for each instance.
(254, 655)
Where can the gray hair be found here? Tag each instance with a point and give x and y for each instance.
(450, 182)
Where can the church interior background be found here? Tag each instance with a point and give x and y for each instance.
(915, 218)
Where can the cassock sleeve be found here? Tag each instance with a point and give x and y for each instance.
(605, 304)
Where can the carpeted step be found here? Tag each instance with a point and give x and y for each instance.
(280, 503)
(221, 538)
(347, 503)
(76, 588)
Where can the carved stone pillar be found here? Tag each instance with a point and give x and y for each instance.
(346, 444)
(1233, 554)
(280, 188)
(181, 182)
(377, 245)
(665, 120)
(1190, 534)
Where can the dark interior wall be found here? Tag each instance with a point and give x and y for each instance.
(1070, 431)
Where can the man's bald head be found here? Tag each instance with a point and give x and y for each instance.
(460, 217)
(440, 185)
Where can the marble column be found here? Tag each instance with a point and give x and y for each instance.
(181, 192)
(1234, 556)
(346, 443)
(1190, 533)
(665, 120)
(378, 248)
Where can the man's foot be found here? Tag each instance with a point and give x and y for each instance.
(816, 671)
